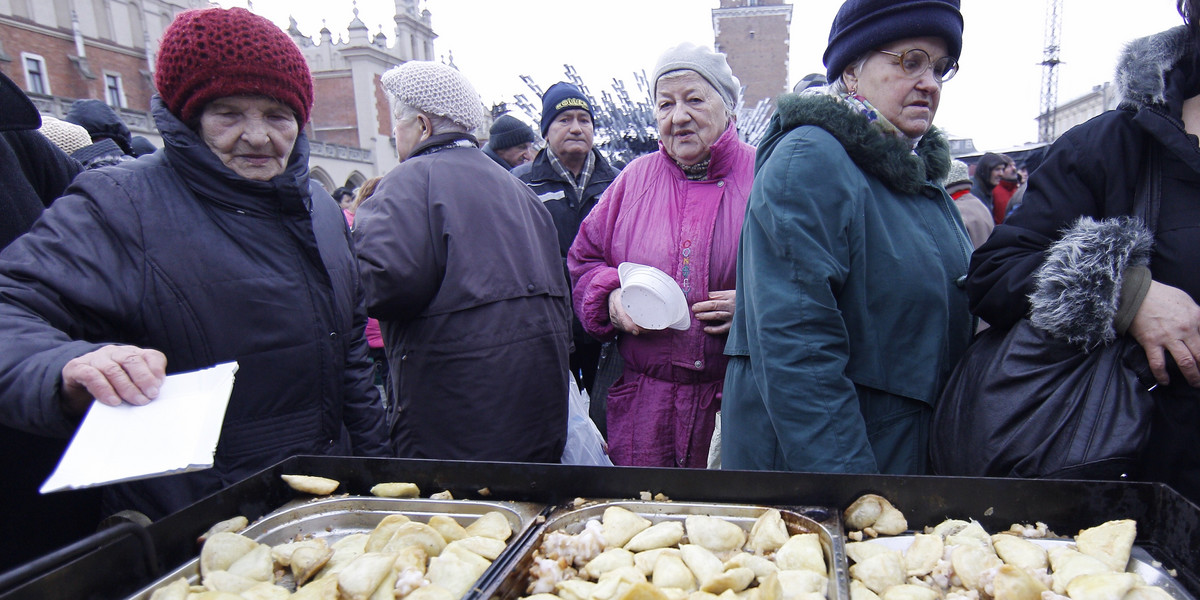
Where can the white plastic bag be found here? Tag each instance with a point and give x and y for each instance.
(585, 445)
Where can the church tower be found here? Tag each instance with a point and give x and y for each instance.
(755, 35)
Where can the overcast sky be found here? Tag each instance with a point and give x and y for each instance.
(994, 98)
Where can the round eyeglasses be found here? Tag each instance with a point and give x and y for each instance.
(916, 61)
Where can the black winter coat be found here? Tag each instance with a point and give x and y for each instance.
(176, 252)
(458, 260)
(1092, 171)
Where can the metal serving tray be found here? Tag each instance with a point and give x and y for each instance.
(1141, 562)
(333, 518)
(510, 584)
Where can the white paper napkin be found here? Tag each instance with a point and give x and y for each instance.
(175, 433)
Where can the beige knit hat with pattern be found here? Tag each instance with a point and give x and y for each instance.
(437, 89)
(69, 137)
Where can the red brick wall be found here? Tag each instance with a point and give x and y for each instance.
(333, 117)
(65, 78)
(757, 50)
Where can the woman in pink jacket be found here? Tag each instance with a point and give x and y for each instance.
(680, 210)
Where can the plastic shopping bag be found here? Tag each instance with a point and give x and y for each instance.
(585, 445)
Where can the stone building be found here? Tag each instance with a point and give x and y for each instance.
(62, 50)
(755, 35)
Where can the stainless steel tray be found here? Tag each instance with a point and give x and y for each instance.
(1140, 561)
(337, 517)
(510, 583)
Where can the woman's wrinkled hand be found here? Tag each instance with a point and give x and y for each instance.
(1169, 321)
(112, 375)
(616, 313)
(718, 310)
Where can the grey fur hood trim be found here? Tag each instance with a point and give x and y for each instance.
(1079, 285)
(1140, 72)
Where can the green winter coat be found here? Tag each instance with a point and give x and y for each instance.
(850, 307)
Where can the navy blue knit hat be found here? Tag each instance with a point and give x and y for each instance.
(507, 132)
(864, 25)
(562, 96)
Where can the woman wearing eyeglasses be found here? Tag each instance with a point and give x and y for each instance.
(851, 312)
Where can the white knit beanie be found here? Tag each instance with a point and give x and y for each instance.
(712, 66)
(437, 89)
(959, 173)
(69, 137)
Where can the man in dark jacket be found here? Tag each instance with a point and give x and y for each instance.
(34, 172)
(569, 175)
(219, 248)
(511, 142)
(460, 266)
(111, 140)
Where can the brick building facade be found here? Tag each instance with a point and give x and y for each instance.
(755, 35)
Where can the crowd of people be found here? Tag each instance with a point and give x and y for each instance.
(833, 275)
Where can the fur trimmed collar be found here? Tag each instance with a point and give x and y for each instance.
(1141, 70)
(885, 157)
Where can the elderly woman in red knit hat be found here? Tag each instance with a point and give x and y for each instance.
(217, 249)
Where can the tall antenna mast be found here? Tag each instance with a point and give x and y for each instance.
(1050, 62)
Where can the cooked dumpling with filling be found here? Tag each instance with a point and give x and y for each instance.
(875, 512)
(450, 529)
(321, 589)
(769, 533)
(416, 534)
(224, 581)
(970, 562)
(309, 484)
(802, 582)
(1066, 564)
(223, 549)
(487, 547)
(923, 555)
(1110, 542)
(437, 592)
(715, 534)
(609, 560)
(669, 571)
(613, 584)
(256, 564)
(232, 525)
(1139, 592)
(908, 591)
(879, 572)
(860, 551)
(860, 591)
(1102, 586)
(802, 551)
(396, 490)
(1014, 583)
(456, 570)
(574, 589)
(619, 525)
(492, 524)
(282, 553)
(973, 534)
(363, 575)
(176, 590)
(703, 563)
(265, 591)
(383, 532)
(646, 560)
(344, 551)
(660, 535)
(735, 580)
(642, 591)
(1020, 552)
(761, 566)
(305, 561)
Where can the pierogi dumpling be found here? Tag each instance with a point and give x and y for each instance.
(416, 534)
(923, 555)
(646, 559)
(489, 548)
(619, 525)
(223, 549)
(575, 589)
(1066, 564)
(908, 591)
(456, 570)
(609, 560)
(703, 563)
(256, 564)
(860, 551)
(802, 551)
(669, 571)
(860, 591)
(1014, 583)
(436, 592)
(1102, 586)
(307, 560)
(879, 572)
(735, 580)
(769, 532)
(1110, 542)
(309, 484)
(363, 575)
(760, 565)
(396, 490)
(970, 562)
(660, 535)
(492, 524)
(1020, 552)
(715, 534)
(384, 531)
(797, 582)
(450, 529)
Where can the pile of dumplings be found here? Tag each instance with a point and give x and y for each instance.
(623, 556)
(400, 558)
(960, 560)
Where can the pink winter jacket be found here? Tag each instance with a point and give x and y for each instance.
(662, 411)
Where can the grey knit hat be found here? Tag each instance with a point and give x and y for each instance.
(959, 173)
(710, 65)
(437, 89)
(69, 137)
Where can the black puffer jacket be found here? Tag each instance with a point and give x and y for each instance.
(1092, 171)
(176, 252)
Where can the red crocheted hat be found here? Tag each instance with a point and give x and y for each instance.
(211, 53)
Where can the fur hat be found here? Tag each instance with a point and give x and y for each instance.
(437, 89)
(507, 132)
(69, 137)
(959, 173)
(864, 25)
(211, 53)
(560, 98)
(710, 65)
